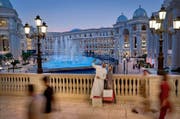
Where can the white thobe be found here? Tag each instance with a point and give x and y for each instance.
(98, 84)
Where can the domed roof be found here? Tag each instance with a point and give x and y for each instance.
(121, 18)
(140, 12)
(75, 30)
(5, 4)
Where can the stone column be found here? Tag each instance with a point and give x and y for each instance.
(175, 7)
(175, 51)
(138, 43)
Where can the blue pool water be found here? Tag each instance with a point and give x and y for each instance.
(57, 62)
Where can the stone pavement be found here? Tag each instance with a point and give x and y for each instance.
(15, 108)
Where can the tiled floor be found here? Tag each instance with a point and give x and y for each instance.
(15, 108)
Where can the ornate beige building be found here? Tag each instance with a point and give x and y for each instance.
(11, 30)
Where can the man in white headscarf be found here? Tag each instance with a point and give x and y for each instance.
(98, 84)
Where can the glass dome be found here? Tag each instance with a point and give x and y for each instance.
(121, 18)
(140, 13)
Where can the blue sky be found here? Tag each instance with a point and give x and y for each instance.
(64, 15)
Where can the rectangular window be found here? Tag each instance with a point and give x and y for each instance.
(3, 23)
(135, 42)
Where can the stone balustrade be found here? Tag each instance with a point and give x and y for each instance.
(79, 85)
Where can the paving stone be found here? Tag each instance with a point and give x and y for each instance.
(16, 108)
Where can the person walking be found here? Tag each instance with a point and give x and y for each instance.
(98, 84)
(165, 104)
(35, 105)
(144, 105)
(49, 98)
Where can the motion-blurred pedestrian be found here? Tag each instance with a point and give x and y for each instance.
(35, 105)
(49, 98)
(165, 104)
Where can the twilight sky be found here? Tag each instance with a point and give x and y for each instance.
(65, 15)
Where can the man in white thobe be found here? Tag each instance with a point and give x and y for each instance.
(98, 85)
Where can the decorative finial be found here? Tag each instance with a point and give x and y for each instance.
(139, 6)
(121, 13)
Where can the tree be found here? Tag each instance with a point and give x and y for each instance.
(1, 59)
(14, 63)
(144, 56)
(26, 56)
(8, 56)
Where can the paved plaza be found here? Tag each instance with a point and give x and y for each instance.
(15, 108)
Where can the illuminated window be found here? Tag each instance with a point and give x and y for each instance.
(3, 23)
(143, 39)
(126, 45)
(143, 27)
(4, 43)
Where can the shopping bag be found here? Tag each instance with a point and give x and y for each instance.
(108, 95)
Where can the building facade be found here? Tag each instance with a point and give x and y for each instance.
(12, 38)
(130, 38)
(170, 38)
(127, 37)
(132, 35)
(96, 42)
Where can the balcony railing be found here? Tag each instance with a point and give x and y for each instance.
(76, 85)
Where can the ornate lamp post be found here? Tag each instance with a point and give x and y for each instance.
(41, 31)
(157, 25)
(124, 63)
(176, 23)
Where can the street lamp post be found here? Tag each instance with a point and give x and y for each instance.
(127, 60)
(176, 23)
(41, 31)
(124, 62)
(157, 25)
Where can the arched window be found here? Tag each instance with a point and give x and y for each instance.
(135, 53)
(134, 28)
(135, 42)
(117, 30)
(143, 27)
(112, 33)
(3, 23)
(126, 35)
(4, 43)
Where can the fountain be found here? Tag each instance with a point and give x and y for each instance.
(67, 56)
